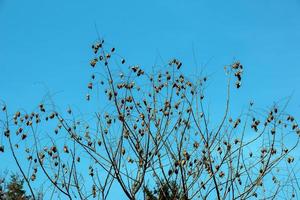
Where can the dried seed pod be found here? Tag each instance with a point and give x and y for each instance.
(33, 177)
(1, 148)
(294, 126)
(24, 136)
(236, 65)
(94, 191)
(196, 145)
(52, 115)
(88, 97)
(221, 174)
(90, 86)
(179, 64)
(66, 150)
(290, 159)
(238, 84)
(236, 123)
(121, 118)
(134, 68)
(183, 162)
(273, 131)
(7, 133)
(94, 62)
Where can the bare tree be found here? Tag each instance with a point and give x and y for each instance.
(155, 131)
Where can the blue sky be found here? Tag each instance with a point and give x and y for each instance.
(46, 44)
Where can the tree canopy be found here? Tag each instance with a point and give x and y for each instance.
(155, 131)
(13, 190)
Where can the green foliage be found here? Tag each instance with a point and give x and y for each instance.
(149, 195)
(13, 190)
(165, 191)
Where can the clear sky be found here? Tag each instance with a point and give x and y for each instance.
(46, 44)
